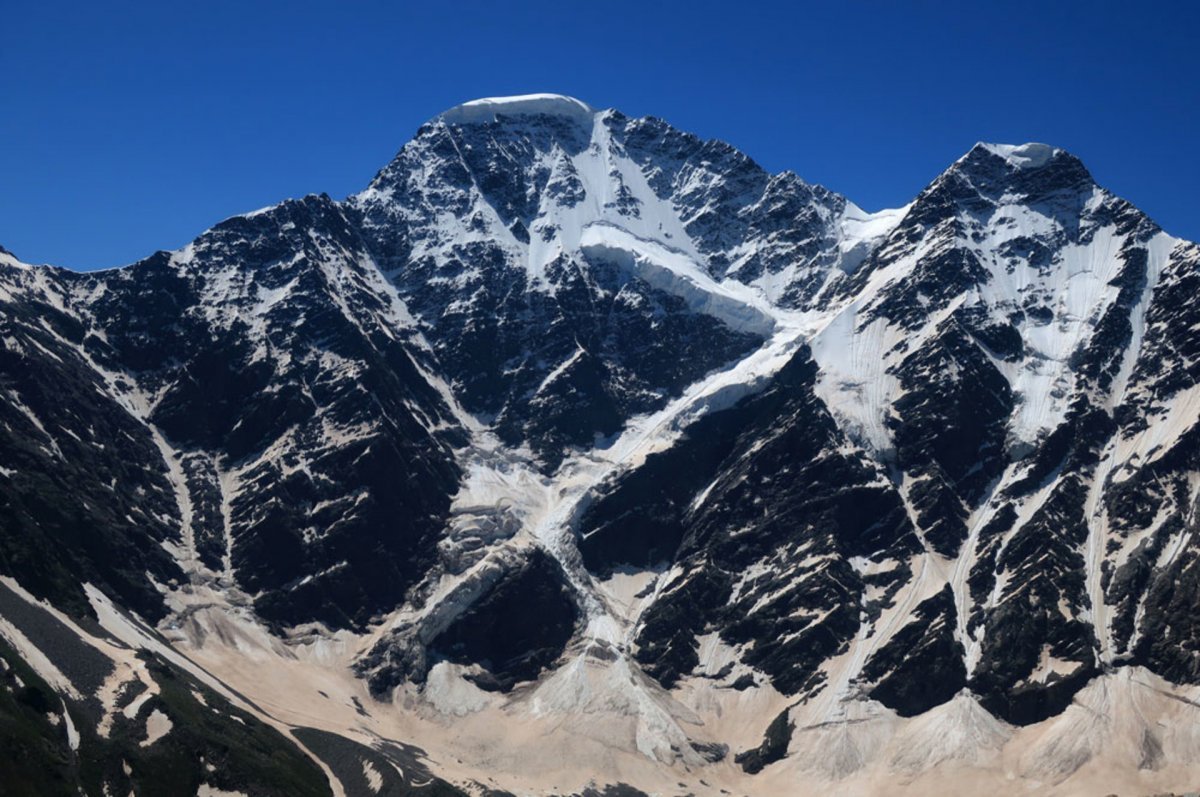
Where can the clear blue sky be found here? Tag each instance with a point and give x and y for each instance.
(129, 127)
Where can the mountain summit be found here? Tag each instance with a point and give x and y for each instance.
(488, 109)
(579, 455)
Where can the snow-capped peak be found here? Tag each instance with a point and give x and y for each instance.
(485, 110)
(1022, 156)
(1027, 169)
(6, 256)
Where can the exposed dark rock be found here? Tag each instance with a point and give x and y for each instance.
(773, 748)
(517, 629)
(922, 665)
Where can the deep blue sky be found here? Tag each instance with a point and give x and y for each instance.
(129, 127)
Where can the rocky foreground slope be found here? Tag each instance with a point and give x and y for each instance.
(578, 455)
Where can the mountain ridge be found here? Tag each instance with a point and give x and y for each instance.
(755, 453)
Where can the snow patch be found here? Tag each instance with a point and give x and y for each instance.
(135, 705)
(206, 790)
(72, 731)
(158, 725)
(374, 779)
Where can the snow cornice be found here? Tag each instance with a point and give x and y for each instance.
(485, 110)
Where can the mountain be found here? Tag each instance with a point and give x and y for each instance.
(579, 455)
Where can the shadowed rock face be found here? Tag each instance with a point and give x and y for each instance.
(315, 455)
(870, 459)
(66, 443)
(517, 629)
(922, 665)
(555, 349)
(777, 495)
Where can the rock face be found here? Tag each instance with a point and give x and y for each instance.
(574, 415)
